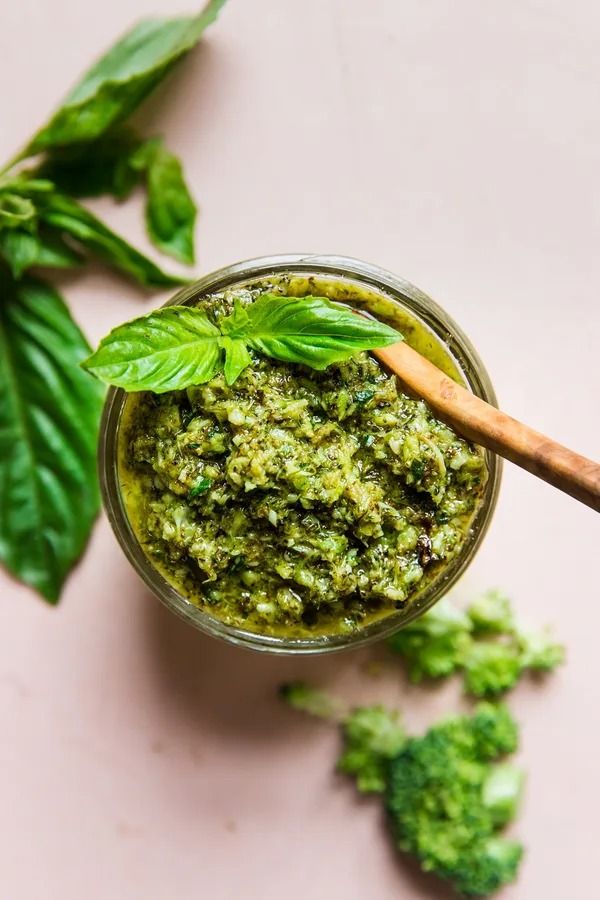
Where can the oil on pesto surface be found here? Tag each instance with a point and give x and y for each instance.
(299, 503)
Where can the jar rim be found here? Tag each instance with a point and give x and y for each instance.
(462, 352)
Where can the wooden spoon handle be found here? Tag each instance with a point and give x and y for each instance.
(491, 428)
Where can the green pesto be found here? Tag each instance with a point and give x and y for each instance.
(299, 503)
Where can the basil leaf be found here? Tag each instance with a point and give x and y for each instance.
(237, 322)
(27, 186)
(122, 78)
(68, 216)
(16, 211)
(169, 349)
(178, 346)
(48, 430)
(310, 330)
(237, 358)
(19, 249)
(170, 210)
(54, 252)
(23, 249)
(98, 167)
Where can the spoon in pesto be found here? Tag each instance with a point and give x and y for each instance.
(485, 425)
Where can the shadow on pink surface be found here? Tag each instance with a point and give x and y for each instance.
(231, 692)
(228, 688)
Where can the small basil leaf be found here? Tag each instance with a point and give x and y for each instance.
(237, 358)
(16, 211)
(310, 330)
(23, 249)
(170, 210)
(48, 431)
(237, 321)
(20, 249)
(98, 167)
(121, 79)
(169, 349)
(69, 217)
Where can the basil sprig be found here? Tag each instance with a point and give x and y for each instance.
(49, 408)
(178, 346)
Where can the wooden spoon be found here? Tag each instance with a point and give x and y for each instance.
(487, 426)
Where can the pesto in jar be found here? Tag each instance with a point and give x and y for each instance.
(299, 503)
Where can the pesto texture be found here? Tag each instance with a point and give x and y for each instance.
(296, 502)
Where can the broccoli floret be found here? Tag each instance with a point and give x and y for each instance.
(372, 736)
(446, 801)
(445, 795)
(433, 645)
(491, 614)
(310, 700)
(491, 668)
(485, 642)
(493, 731)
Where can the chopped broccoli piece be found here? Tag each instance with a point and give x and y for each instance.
(446, 802)
(434, 644)
(502, 791)
(539, 652)
(491, 613)
(372, 736)
(310, 700)
(491, 668)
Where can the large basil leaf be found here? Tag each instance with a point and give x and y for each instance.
(309, 330)
(122, 78)
(170, 210)
(49, 412)
(69, 217)
(171, 348)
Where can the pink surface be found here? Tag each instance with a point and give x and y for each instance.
(456, 144)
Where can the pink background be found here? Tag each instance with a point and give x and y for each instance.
(456, 144)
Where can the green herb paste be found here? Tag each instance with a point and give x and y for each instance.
(297, 502)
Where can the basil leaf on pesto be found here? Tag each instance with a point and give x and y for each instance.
(121, 79)
(172, 348)
(48, 431)
(178, 346)
(237, 358)
(69, 217)
(310, 330)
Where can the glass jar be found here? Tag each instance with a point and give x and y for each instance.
(437, 331)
